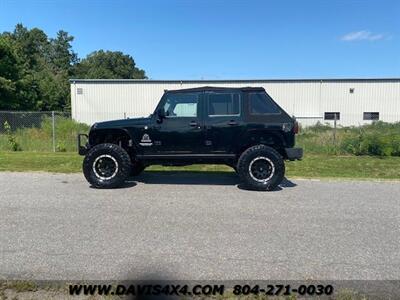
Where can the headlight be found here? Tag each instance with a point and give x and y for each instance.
(286, 127)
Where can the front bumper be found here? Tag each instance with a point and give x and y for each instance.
(294, 153)
(82, 150)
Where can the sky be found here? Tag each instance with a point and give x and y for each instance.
(221, 39)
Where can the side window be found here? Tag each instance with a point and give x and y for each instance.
(223, 104)
(260, 103)
(181, 105)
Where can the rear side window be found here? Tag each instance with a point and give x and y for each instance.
(223, 104)
(260, 104)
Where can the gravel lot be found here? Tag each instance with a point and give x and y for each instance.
(197, 226)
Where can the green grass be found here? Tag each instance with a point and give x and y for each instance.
(312, 166)
(41, 138)
(377, 139)
(332, 166)
(19, 286)
(63, 162)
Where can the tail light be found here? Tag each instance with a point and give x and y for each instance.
(296, 127)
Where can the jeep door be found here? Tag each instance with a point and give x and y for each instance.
(182, 130)
(223, 120)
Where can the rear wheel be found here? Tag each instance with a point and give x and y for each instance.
(261, 168)
(106, 166)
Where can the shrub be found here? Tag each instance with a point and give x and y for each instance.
(378, 139)
(11, 139)
(319, 127)
(395, 145)
(351, 144)
(375, 144)
(60, 147)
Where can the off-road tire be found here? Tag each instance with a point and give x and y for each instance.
(269, 156)
(137, 168)
(115, 154)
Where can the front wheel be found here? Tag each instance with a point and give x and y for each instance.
(106, 166)
(261, 168)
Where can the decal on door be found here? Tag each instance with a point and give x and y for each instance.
(146, 141)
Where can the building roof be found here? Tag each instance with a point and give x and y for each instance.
(150, 81)
(213, 88)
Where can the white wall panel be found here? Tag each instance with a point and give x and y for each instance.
(306, 99)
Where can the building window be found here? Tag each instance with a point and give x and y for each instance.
(371, 116)
(332, 116)
(351, 90)
(79, 91)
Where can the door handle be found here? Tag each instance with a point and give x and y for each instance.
(193, 124)
(232, 123)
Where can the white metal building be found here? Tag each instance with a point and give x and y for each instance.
(350, 101)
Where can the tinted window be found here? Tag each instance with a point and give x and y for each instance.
(332, 116)
(181, 105)
(260, 103)
(371, 116)
(223, 104)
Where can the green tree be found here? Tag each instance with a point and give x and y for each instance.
(34, 69)
(108, 65)
(45, 65)
(31, 49)
(63, 58)
(55, 88)
(9, 75)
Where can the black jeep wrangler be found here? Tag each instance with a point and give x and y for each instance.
(240, 127)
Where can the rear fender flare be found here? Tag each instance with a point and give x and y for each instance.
(263, 137)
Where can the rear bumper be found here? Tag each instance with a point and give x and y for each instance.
(294, 153)
(83, 149)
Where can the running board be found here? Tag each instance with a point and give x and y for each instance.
(178, 156)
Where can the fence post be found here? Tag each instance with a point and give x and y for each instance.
(54, 131)
(334, 131)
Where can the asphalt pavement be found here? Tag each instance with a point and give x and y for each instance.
(181, 225)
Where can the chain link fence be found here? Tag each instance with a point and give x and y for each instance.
(39, 131)
(55, 131)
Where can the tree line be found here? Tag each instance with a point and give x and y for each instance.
(35, 69)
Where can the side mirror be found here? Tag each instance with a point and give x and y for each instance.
(161, 114)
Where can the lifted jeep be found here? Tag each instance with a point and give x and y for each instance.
(240, 127)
